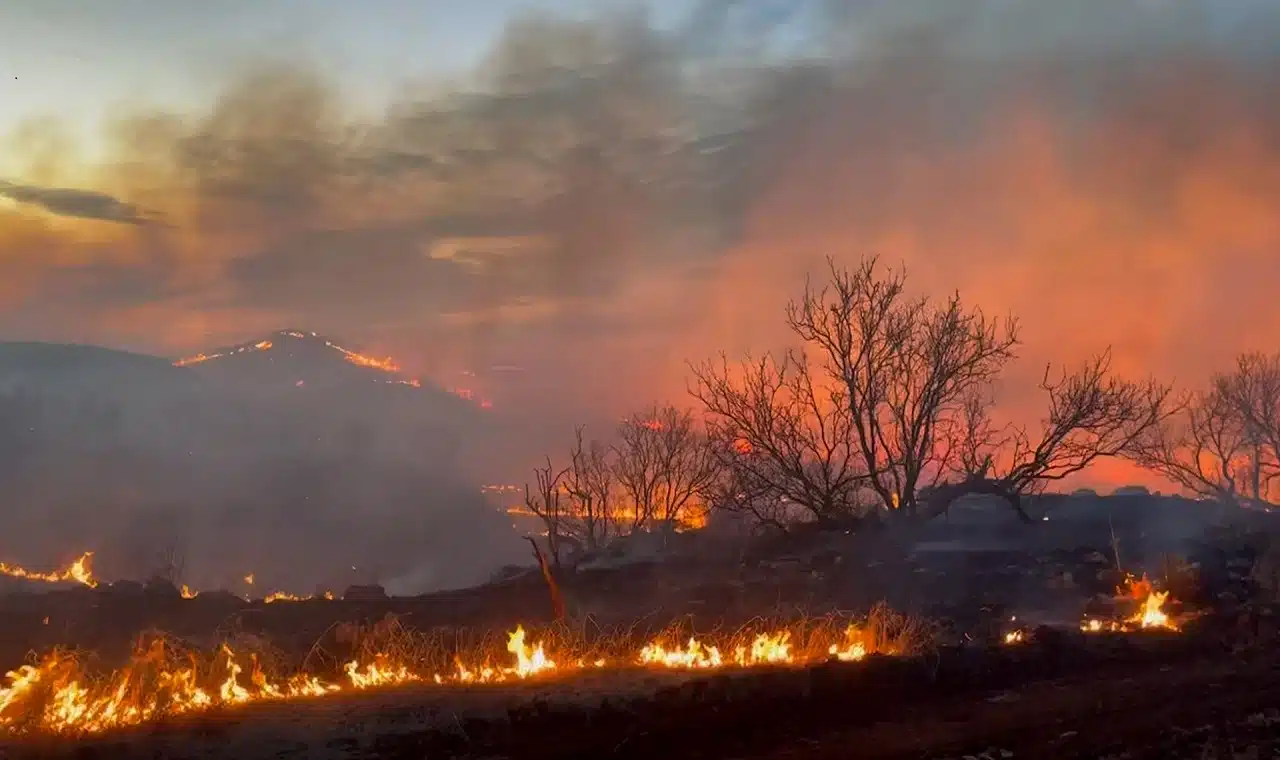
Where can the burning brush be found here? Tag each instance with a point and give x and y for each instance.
(1149, 614)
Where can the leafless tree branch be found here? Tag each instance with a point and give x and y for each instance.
(780, 438)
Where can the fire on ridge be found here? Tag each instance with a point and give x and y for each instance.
(386, 365)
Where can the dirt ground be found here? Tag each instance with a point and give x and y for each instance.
(1064, 696)
(1226, 707)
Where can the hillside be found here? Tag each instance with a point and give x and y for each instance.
(276, 456)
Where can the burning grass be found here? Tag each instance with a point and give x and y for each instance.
(71, 693)
(1148, 609)
(80, 571)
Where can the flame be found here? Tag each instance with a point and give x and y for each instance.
(1150, 613)
(78, 571)
(386, 364)
(187, 593)
(249, 579)
(55, 695)
(197, 359)
(691, 517)
(765, 649)
(262, 345)
(854, 648)
(284, 596)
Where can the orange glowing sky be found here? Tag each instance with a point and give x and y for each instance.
(1112, 181)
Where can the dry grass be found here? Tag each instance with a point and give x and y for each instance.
(147, 677)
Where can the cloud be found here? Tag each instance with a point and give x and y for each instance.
(81, 204)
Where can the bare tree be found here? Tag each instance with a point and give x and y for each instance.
(780, 438)
(545, 502)
(1252, 391)
(589, 484)
(737, 492)
(1200, 447)
(1221, 443)
(663, 465)
(907, 366)
(1091, 414)
(169, 564)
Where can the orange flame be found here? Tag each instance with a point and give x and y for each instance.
(78, 571)
(55, 695)
(1150, 613)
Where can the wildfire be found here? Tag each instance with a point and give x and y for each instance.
(282, 596)
(1149, 615)
(78, 571)
(386, 364)
(262, 345)
(691, 517)
(55, 695)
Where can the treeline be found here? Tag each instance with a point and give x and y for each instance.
(885, 411)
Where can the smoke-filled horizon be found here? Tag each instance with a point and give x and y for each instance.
(601, 200)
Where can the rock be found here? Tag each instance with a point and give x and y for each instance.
(1062, 580)
(161, 588)
(365, 593)
(127, 588)
(218, 597)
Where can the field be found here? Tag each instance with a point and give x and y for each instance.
(979, 649)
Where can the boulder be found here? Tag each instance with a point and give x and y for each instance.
(365, 593)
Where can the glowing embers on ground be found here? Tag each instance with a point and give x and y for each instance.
(1149, 612)
(79, 571)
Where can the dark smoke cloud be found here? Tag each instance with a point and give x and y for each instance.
(83, 204)
(601, 200)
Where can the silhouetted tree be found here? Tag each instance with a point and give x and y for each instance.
(590, 486)
(663, 465)
(781, 438)
(1091, 414)
(1253, 391)
(904, 389)
(545, 500)
(906, 365)
(1221, 443)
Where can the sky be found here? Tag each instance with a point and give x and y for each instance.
(79, 59)
(600, 195)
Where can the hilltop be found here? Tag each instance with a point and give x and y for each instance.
(300, 358)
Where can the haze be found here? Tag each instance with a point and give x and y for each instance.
(596, 197)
